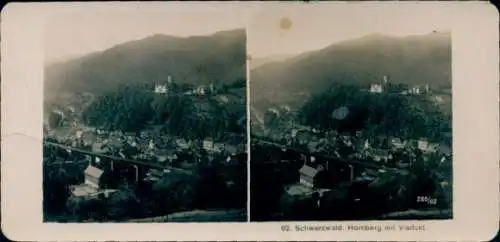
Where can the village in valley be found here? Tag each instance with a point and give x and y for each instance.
(156, 129)
(322, 174)
(355, 125)
(102, 165)
(150, 127)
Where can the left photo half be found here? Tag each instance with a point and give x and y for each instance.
(145, 117)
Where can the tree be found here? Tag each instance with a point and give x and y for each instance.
(83, 208)
(122, 204)
(130, 109)
(55, 189)
(184, 87)
(210, 180)
(55, 120)
(382, 114)
(396, 87)
(271, 118)
(175, 192)
(241, 83)
(267, 190)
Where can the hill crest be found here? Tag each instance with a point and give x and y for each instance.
(411, 60)
(216, 58)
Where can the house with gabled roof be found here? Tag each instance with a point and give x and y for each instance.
(218, 147)
(93, 176)
(427, 147)
(182, 143)
(397, 143)
(92, 185)
(211, 146)
(376, 88)
(208, 144)
(154, 175)
(381, 155)
(163, 155)
(445, 149)
(100, 148)
(308, 176)
(313, 146)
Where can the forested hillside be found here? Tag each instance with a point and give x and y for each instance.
(346, 108)
(218, 58)
(131, 109)
(412, 60)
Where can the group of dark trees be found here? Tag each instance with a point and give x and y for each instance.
(56, 183)
(389, 192)
(131, 109)
(240, 83)
(209, 187)
(380, 114)
(127, 110)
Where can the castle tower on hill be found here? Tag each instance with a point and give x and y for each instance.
(163, 88)
(379, 88)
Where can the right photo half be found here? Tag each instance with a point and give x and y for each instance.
(350, 115)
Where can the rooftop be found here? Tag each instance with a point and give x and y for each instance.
(165, 152)
(99, 148)
(93, 171)
(298, 189)
(380, 152)
(444, 148)
(83, 190)
(309, 171)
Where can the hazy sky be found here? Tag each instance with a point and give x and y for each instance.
(72, 35)
(315, 27)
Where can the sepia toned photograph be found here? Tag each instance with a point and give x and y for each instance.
(350, 121)
(145, 118)
(262, 121)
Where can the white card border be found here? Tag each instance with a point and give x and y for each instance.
(475, 123)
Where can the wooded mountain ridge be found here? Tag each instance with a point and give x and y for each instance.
(219, 58)
(411, 60)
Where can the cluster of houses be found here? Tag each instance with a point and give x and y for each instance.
(201, 90)
(93, 187)
(166, 88)
(414, 90)
(312, 173)
(147, 145)
(379, 151)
